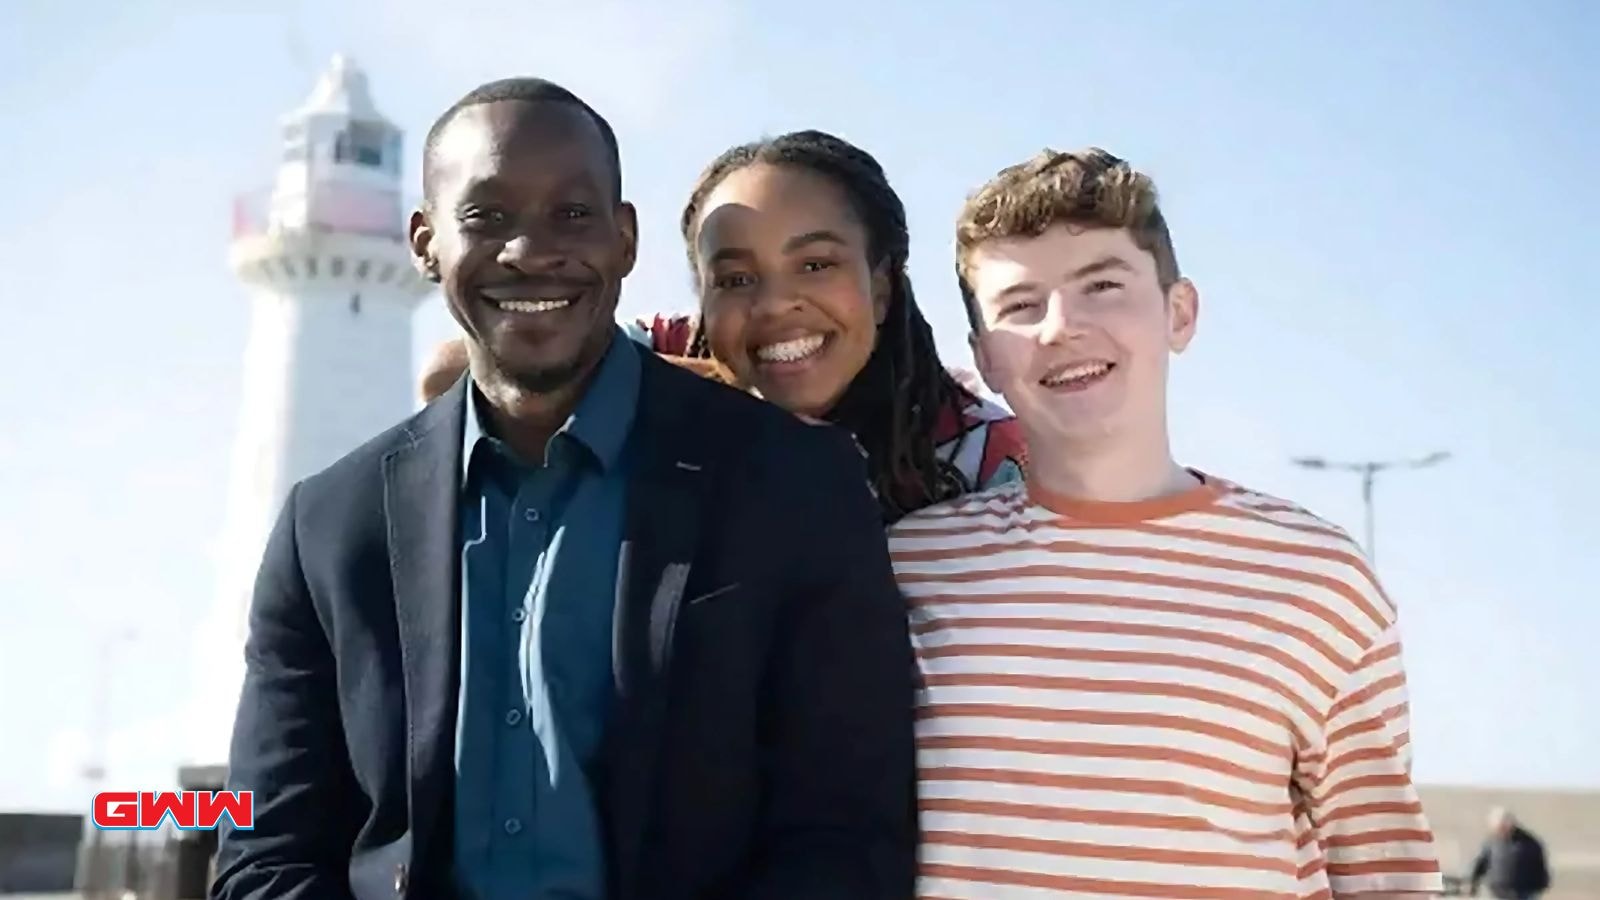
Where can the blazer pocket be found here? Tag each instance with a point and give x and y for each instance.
(724, 591)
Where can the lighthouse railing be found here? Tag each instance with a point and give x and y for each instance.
(355, 210)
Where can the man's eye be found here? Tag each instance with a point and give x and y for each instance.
(1103, 285)
(479, 216)
(817, 265)
(574, 211)
(1016, 307)
(731, 281)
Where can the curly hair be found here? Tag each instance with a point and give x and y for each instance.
(1088, 188)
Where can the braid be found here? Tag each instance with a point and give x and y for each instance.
(903, 373)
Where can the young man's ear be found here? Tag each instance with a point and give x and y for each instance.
(419, 237)
(1183, 313)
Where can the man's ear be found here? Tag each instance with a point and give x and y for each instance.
(628, 227)
(419, 237)
(1183, 313)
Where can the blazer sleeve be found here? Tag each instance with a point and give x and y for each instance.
(840, 821)
(288, 744)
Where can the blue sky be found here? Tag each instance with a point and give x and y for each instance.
(1389, 209)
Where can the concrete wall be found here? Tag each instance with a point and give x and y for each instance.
(38, 851)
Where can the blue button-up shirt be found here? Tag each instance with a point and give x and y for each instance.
(539, 565)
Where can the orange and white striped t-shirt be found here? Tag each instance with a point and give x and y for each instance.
(1194, 697)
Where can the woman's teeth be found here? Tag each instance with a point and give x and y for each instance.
(791, 350)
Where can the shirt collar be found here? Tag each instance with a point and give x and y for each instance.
(603, 417)
(471, 431)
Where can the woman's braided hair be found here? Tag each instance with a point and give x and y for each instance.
(894, 403)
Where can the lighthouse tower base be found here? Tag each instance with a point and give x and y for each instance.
(327, 367)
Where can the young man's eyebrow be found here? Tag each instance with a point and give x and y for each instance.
(1103, 264)
(1016, 290)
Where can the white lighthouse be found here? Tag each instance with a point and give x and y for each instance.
(328, 362)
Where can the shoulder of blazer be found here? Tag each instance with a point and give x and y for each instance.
(726, 422)
(758, 444)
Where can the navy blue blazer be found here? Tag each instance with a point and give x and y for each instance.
(761, 746)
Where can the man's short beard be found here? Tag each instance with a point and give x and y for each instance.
(549, 379)
(552, 378)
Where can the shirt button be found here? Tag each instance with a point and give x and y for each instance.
(532, 515)
(518, 614)
(513, 716)
(513, 826)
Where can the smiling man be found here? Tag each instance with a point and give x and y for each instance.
(1140, 679)
(575, 631)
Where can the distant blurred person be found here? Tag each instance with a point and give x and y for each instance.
(1512, 862)
(444, 369)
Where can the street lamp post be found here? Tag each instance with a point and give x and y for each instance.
(1368, 470)
(91, 868)
(100, 718)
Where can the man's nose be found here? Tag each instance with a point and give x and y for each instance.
(531, 251)
(1062, 321)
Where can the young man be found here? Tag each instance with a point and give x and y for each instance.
(1139, 680)
(575, 630)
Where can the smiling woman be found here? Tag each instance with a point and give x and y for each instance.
(799, 246)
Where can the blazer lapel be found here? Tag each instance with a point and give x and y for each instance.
(660, 534)
(422, 487)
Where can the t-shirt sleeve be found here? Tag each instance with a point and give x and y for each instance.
(1356, 786)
